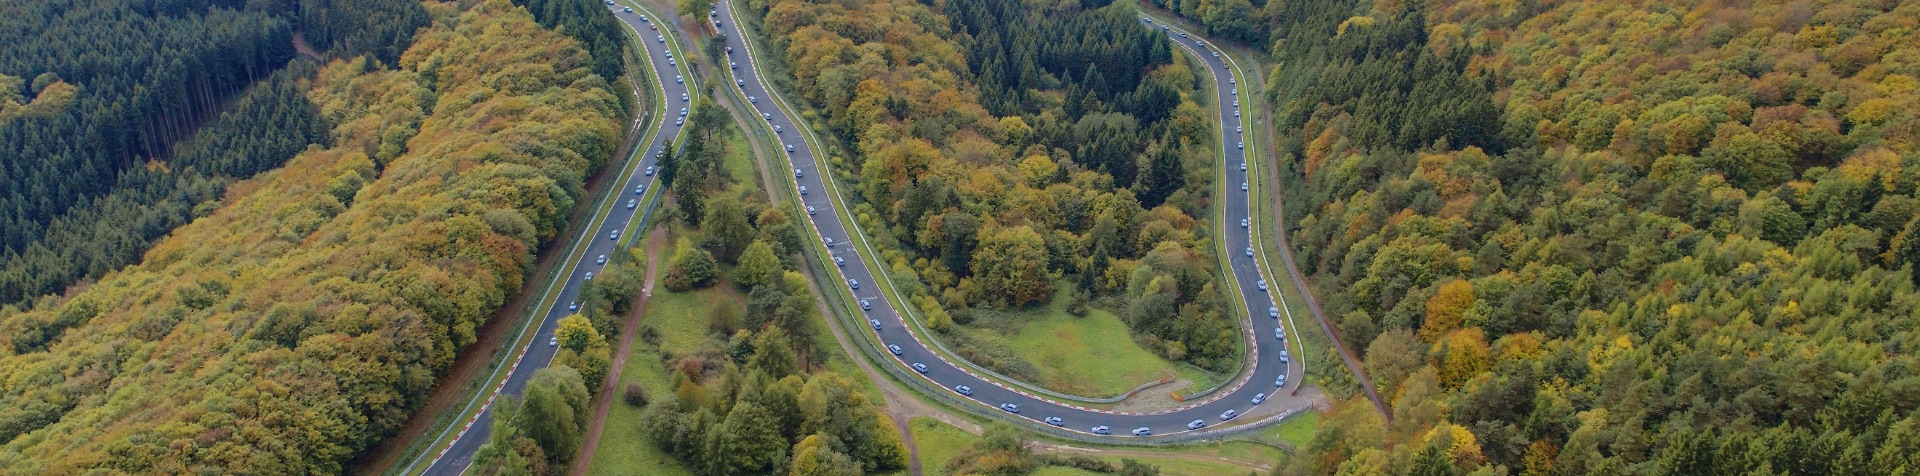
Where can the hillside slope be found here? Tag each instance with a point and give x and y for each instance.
(1610, 236)
(291, 328)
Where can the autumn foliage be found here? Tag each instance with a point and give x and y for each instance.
(305, 318)
(1684, 243)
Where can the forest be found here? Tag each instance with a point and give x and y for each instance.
(1608, 237)
(753, 394)
(310, 310)
(130, 118)
(993, 164)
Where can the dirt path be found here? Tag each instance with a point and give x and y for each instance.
(475, 357)
(604, 403)
(1286, 248)
(1054, 448)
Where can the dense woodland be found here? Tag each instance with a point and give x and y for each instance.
(1609, 237)
(305, 317)
(132, 115)
(992, 164)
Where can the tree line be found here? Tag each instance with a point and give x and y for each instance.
(308, 314)
(1681, 243)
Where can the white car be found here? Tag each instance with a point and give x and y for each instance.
(963, 390)
(1278, 332)
(796, 172)
(640, 189)
(573, 306)
(683, 97)
(803, 190)
(1102, 430)
(789, 148)
(632, 203)
(1010, 408)
(838, 261)
(553, 341)
(741, 82)
(1055, 421)
(730, 64)
(1236, 130)
(1243, 223)
(1241, 145)
(1243, 186)
(809, 210)
(1280, 382)
(1262, 283)
(875, 323)
(776, 129)
(660, 39)
(753, 99)
(1196, 424)
(767, 116)
(1142, 431)
(1283, 356)
(614, 236)
(1243, 166)
(894, 349)
(1259, 397)
(679, 79)
(1236, 113)
(683, 111)
(920, 367)
(866, 305)
(589, 275)
(853, 283)
(1228, 415)
(679, 120)
(601, 260)
(1249, 251)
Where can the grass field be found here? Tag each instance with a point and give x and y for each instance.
(1297, 430)
(623, 449)
(940, 442)
(1091, 356)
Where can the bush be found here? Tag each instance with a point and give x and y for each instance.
(635, 394)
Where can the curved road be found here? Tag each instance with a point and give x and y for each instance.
(854, 267)
(450, 457)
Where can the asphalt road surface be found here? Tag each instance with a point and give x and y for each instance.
(455, 456)
(914, 354)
